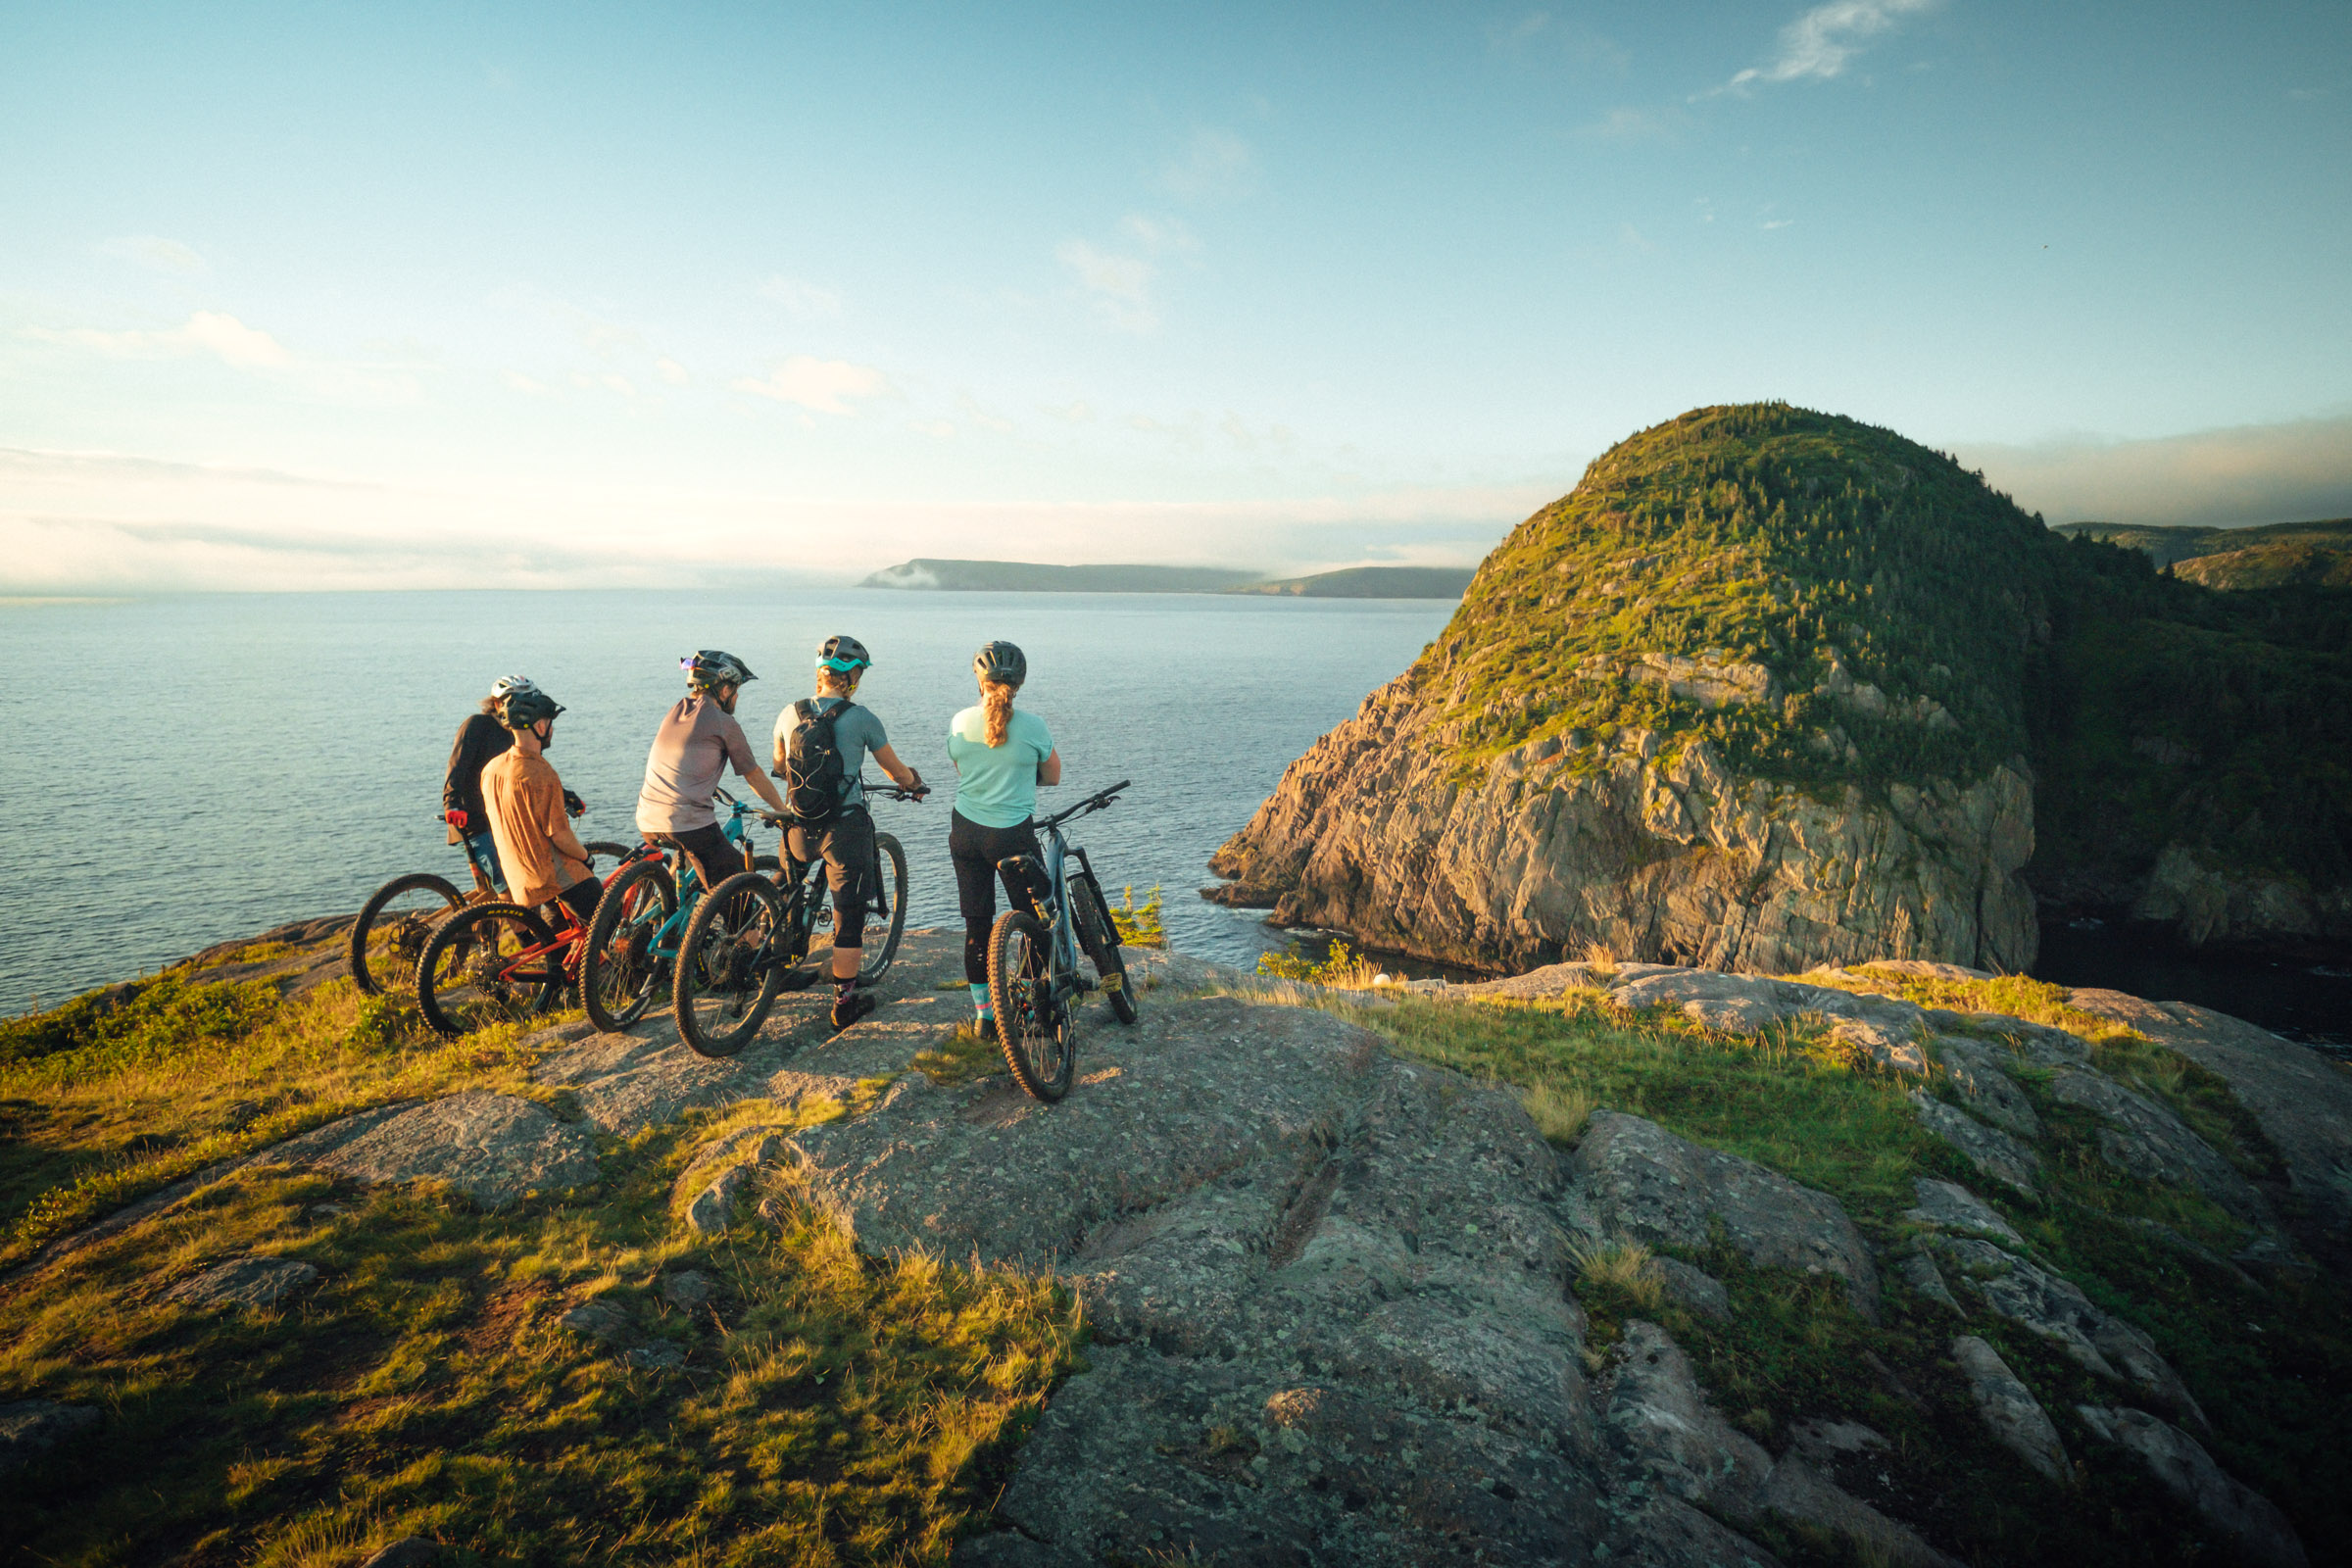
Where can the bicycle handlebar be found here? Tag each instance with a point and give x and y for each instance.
(1101, 800)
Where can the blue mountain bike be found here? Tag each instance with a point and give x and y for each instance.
(640, 923)
(1032, 976)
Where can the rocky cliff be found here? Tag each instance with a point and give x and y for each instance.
(1773, 688)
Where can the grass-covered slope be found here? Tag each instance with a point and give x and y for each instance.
(1779, 541)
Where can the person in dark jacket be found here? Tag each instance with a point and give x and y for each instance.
(481, 737)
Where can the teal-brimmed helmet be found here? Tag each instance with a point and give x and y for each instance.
(844, 655)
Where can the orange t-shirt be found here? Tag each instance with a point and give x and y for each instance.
(536, 848)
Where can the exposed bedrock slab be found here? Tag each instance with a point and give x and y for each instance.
(1636, 1179)
(30, 1428)
(2302, 1101)
(1979, 1072)
(492, 1148)
(2055, 1307)
(2251, 1528)
(1662, 1431)
(2146, 1140)
(254, 1283)
(646, 1076)
(1951, 1207)
(1991, 1151)
(2014, 1418)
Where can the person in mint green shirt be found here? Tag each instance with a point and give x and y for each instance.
(1001, 758)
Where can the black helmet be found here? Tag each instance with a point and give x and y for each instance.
(1000, 661)
(710, 667)
(507, 685)
(521, 709)
(844, 655)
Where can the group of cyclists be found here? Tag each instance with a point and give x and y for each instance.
(504, 804)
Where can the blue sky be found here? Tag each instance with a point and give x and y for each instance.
(419, 295)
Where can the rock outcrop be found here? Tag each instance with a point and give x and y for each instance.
(1547, 851)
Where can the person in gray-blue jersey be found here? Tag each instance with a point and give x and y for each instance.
(845, 834)
(1001, 758)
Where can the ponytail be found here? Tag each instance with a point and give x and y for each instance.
(995, 702)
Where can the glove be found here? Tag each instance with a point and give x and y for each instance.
(455, 817)
(573, 805)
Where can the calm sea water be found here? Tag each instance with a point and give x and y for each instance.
(187, 770)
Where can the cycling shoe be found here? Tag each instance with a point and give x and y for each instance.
(852, 1008)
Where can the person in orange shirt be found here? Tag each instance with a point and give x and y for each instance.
(543, 858)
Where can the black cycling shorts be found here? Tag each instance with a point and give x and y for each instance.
(714, 858)
(847, 844)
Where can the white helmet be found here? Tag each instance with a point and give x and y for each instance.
(507, 686)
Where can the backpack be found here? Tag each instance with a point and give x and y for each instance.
(815, 779)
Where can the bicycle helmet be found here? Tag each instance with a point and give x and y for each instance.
(711, 667)
(844, 656)
(507, 685)
(1002, 663)
(522, 709)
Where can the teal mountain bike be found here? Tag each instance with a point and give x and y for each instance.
(640, 923)
(1032, 976)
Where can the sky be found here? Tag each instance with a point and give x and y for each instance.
(428, 295)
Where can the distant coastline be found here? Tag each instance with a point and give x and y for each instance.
(929, 575)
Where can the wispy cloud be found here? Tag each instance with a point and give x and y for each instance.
(1159, 236)
(826, 386)
(212, 332)
(672, 371)
(156, 254)
(808, 302)
(2291, 471)
(1214, 163)
(1121, 285)
(1821, 42)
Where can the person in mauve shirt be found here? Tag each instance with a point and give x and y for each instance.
(698, 742)
(543, 859)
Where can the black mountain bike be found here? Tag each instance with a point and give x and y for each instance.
(1033, 978)
(750, 937)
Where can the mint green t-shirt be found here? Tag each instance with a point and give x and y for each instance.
(996, 786)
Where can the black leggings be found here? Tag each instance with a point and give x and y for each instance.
(580, 897)
(976, 850)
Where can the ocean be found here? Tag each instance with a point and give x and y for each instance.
(189, 770)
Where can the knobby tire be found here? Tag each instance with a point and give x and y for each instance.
(462, 979)
(621, 972)
(407, 929)
(727, 975)
(1099, 935)
(882, 931)
(1037, 1045)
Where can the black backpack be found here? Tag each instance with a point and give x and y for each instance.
(815, 779)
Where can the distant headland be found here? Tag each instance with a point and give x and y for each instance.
(1022, 577)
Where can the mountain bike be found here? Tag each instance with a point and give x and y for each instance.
(400, 917)
(1033, 978)
(633, 941)
(752, 936)
(497, 962)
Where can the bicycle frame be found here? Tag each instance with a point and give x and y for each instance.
(663, 943)
(1061, 928)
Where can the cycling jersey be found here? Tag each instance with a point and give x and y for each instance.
(996, 786)
(692, 750)
(536, 846)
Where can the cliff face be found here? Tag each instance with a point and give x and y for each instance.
(1668, 860)
(1773, 688)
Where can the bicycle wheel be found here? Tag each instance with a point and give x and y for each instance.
(604, 850)
(394, 927)
(885, 913)
(726, 976)
(1036, 1039)
(492, 963)
(621, 971)
(1099, 935)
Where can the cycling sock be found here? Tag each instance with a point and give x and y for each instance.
(980, 1000)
